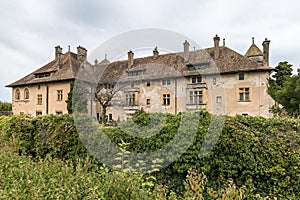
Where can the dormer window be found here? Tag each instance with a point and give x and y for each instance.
(200, 66)
(135, 73)
(42, 75)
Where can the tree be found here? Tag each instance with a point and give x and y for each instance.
(77, 97)
(289, 96)
(283, 72)
(5, 106)
(104, 93)
(285, 89)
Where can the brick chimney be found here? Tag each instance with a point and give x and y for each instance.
(216, 47)
(266, 45)
(58, 52)
(81, 53)
(186, 49)
(155, 52)
(130, 59)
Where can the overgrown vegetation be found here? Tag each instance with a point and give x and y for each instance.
(284, 88)
(254, 158)
(5, 106)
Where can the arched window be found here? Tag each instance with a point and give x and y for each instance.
(26, 93)
(17, 94)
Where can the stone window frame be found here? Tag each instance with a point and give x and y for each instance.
(26, 93)
(17, 94)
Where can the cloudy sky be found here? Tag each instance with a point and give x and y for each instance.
(31, 29)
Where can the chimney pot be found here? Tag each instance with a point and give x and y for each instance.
(186, 50)
(130, 59)
(81, 53)
(266, 47)
(216, 47)
(58, 52)
(155, 52)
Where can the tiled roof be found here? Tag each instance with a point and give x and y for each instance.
(66, 71)
(173, 64)
(253, 51)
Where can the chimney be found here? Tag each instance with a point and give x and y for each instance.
(81, 53)
(58, 52)
(217, 47)
(186, 49)
(155, 52)
(130, 59)
(266, 45)
(223, 42)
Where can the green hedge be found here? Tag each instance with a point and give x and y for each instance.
(261, 154)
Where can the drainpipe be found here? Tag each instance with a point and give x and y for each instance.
(47, 99)
(175, 96)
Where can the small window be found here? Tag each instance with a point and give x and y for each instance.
(59, 95)
(26, 93)
(219, 99)
(214, 81)
(166, 82)
(110, 118)
(148, 83)
(59, 112)
(241, 76)
(194, 80)
(132, 84)
(148, 101)
(39, 113)
(39, 99)
(197, 79)
(17, 94)
(244, 94)
(166, 99)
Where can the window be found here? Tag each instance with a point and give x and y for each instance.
(244, 94)
(59, 95)
(219, 99)
(42, 75)
(166, 82)
(59, 112)
(39, 99)
(39, 113)
(166, 99)
(148, 83)
(135, 73)
(26, 93)
(110, 118)
(148, 101)
(196, 97)
(197, 79)
(214, 81)
(130, 99)
(17, 94)
(241, 76)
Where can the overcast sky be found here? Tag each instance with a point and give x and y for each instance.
(31, 29)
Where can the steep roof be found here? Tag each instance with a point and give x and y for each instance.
(66, 71)
(253, 51)
(173, 64)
